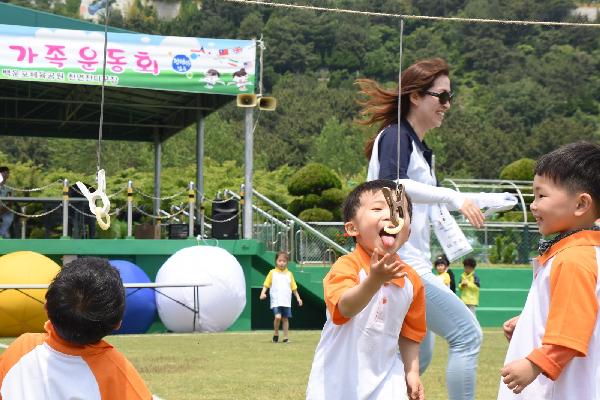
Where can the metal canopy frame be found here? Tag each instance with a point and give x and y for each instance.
(56, 110)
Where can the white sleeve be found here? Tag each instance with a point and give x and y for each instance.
(428, 194)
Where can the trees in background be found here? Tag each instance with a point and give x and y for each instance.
(521, 90)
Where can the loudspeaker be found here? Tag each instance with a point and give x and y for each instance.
(267, 103)
(178, 231)
(225, 216)
(246, 100)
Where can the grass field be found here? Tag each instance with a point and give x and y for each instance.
(246, 365)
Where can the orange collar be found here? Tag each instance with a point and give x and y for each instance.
(61, 345)
(365, 262)
(582, 238)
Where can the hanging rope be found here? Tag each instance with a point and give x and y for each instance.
(165, 216)
(399, 103)
(108, 195)
(29, 215)
(395, 199)
(37, 189)
(417, 17)
(160, 198)
(116, 212)
(224, 220)
(101, 213)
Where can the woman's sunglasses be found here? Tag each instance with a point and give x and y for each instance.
(443, 97)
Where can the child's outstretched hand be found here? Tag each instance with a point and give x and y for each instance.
(509, 327)
(299, 301)
(263, 296)
(519, 373)
(414, 386)
(384, 269)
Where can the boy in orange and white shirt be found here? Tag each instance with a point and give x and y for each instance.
(84, 302)
(369, 348)
(554, 350)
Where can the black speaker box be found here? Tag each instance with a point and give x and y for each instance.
(178, 231)
(225, 219)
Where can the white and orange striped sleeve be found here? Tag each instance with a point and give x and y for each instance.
(17, 349)
(414, 326)
(573, 310)
(573, 302)
(342, 276)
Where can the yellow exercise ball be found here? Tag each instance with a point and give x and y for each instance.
(23, 311)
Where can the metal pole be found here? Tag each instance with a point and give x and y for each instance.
(129, 209)
(200, 168)
(157, 157)
(65, 209)
(292, 240)
(249, 140)
(191, 200)
(23, 222)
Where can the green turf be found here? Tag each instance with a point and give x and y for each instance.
(247, 365)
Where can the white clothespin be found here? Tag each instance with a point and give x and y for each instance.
(99, 193)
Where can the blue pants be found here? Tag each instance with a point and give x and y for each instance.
(7, 220)
(447, 316)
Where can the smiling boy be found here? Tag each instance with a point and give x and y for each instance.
(375, 309)
(554, 350)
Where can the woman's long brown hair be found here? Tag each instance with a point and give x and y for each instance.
(381, 104)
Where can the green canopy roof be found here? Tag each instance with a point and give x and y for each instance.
(59, 110)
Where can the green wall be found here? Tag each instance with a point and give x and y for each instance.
(503, 290)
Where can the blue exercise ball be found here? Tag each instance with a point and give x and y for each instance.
(140, 304)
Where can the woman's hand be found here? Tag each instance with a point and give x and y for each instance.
(471, 211)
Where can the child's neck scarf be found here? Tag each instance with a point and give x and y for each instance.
(544, 245)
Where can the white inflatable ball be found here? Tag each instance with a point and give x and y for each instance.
(220, 303)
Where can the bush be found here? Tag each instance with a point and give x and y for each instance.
(332, 199)
(515, 216)
(504, 251)
(313, 178)
(296, 206)
(316, 215)
(520, 170)
(312, 200)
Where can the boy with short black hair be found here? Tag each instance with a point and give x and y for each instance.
(555, 342)
(84, 302)
(375, 308)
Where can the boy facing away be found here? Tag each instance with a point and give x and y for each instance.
(282, 284)
(84, 302)
(554, 350)
(375, 308)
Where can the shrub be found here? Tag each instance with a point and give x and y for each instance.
(504, 251)
(316, 215)
(313, 178)
(332, 199)
(520, 170)
(296, 206)
(312, 200)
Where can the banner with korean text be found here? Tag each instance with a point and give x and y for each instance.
(219, 66)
